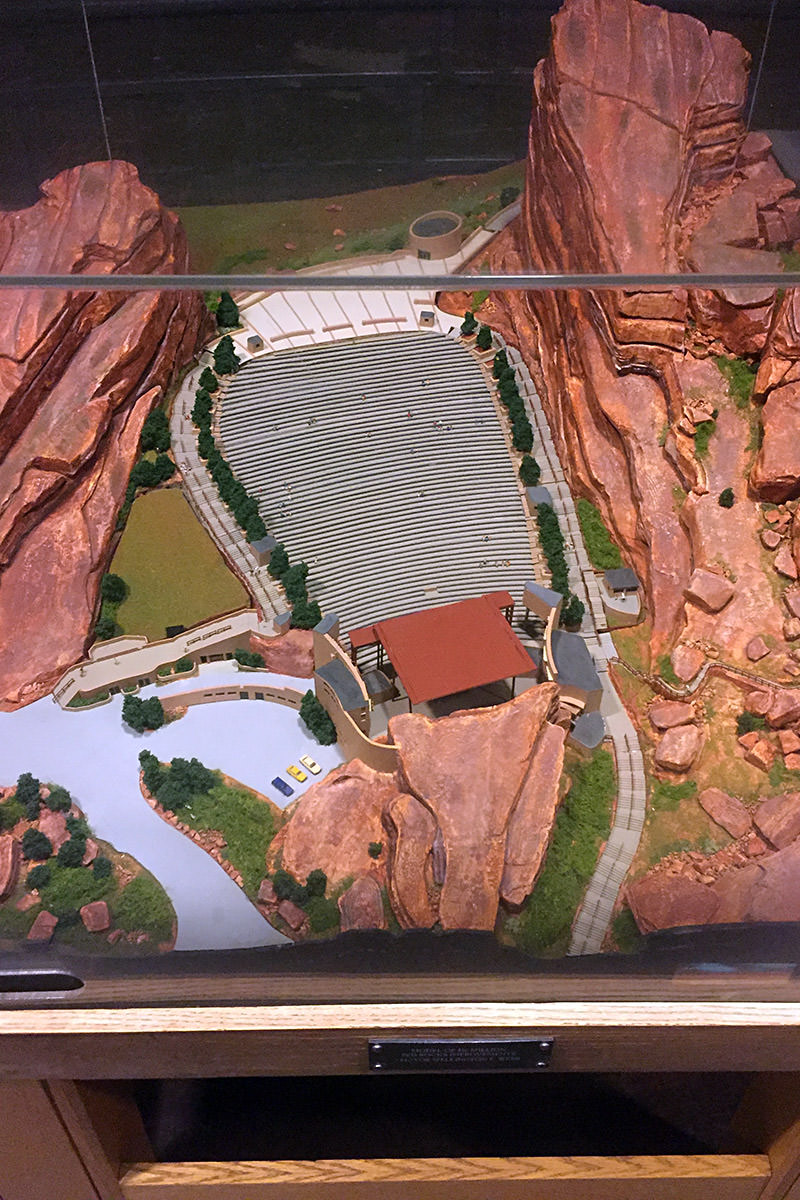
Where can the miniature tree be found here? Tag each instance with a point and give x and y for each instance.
(375, 849)
(27, 793)
(294, 582)
(59, 799)
(529, 471)
(255, 529)
(469, 324)
(164, 467)
(101, 867)
(227, 312)
(306, 614)
(508, 195)
(316, 882)
(71, 853)
(155, 431)
(726, 498)
(484, 338)
(278, 561)
(113, 588)
(105, 628)
(208, 381)
(36, 845)
(572, 612)
(201, 409)
(499, 363)
(317, 720)
(38, 877)
(153, 713)
(225, 360)
(522, 435)
(205, 443)
(142, 714)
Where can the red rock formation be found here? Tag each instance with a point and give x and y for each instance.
(411, 829)
(665, 714)
(679, 747)
(361, 906)
(532, 820)
(660, 901)
(79, 373)
(43, 927)
(10, 853)
(291, 653)
(726, 810)
(95, 916)
(469, 770)
(778, 819)
(638, 162)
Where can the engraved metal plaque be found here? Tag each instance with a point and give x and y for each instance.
(459, 1054)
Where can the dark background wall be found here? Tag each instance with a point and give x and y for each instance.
(237, 100)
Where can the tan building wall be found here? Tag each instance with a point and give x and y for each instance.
(250, 691)
(354, 741)
(443, 245)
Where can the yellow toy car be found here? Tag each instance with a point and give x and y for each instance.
(296, 773)
(310, 765)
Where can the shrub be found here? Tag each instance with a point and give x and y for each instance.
(155, 431)
(227, 312)
(105, 628)
(205, 444)
(248, 658)
(102, 867)
(35, 845)
(152, 773)
(747, 722)
(499, 363)
(225, 359)
(153, 713)
(529, 471)
(164, 467)
(144, 474)
(469, 324)
(78, 827)
(27, 793)
(208, 380)
(164, 670)
(143, 904)
(287, 887)
(726, 498)
(59, 799)
(375, 849)
(572, 612)
(484, 338)
(522, 435)
(323, 915)
(306, 614)
(142, 714)
(11, 811)
(317, 720)
(202, 409)
(551, 540)
(183, 664)
(294, 581)
(508, 195)
(255, 529)
(113, 588)
(71, 853)
(38, 877)
(173, 794)
(316, 882)
(278, 561)
(601, 550)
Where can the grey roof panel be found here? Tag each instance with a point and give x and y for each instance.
(589, 730)
(573, 662)
(546, 594)
(539, 495)
(337, 675)
(621, 579)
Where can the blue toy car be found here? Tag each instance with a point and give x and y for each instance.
(282, 786)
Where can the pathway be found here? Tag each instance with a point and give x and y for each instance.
(594, 915)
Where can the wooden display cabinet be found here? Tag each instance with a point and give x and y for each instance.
(71, 1129)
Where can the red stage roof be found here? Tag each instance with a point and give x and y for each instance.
(449, 649)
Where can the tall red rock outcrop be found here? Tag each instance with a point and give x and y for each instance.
(79, 373)
(639, 162)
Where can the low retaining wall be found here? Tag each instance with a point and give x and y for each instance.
(232, 691)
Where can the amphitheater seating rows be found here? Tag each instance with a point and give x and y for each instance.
(339, 477)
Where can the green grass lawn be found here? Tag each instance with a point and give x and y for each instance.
(601, 550)
(246, 822)
(174, 572)
(244, 237)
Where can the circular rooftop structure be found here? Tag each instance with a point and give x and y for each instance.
(435, 234)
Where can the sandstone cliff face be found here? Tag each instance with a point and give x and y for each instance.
(79, 373)
(465, 820)
(638, 162)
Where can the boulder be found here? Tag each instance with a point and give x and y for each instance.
(784, 563)
(776, 470)
(91, 852)
(469, 769)
(761, 754)
(43, 927)
(792, 762)
(754, 846)
(80, 374)
(412, 832)
(777, 898)
(784, 708)
(687, 661)
(10, 855)
(778, 819)
(532, 820)
(758, 702)
(54, 826)
(792, 601)
(756, 649)
(791, 629)
(266, 892)
(29, 900)
(727, 811)
(749, 739)
(709, 591)
(291, 914)
(361, 906)
(663, 901)
(665, 714)
(678, 748)
(95, 916)
(771, 539)
(788, 741)
(291, 653)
